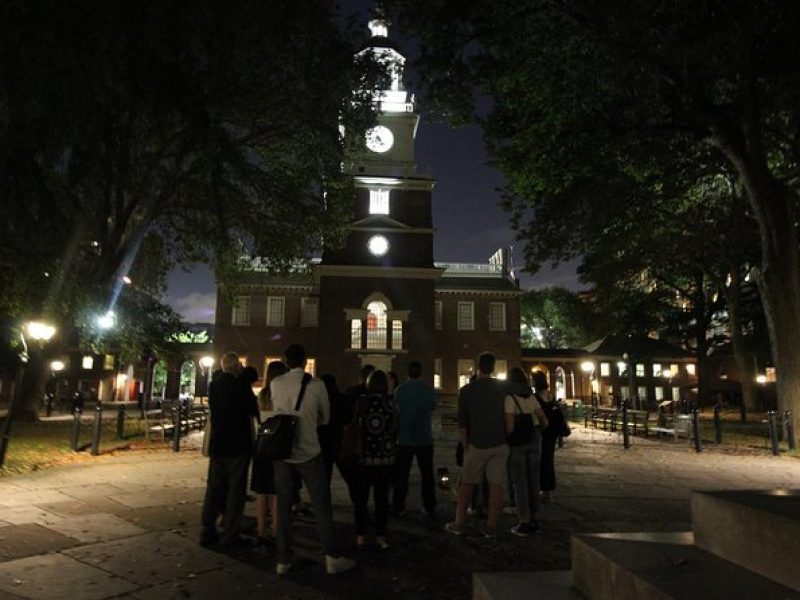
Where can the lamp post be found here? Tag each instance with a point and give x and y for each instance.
(206, 363)
(587, 367)
(39, 332)
(56, 366)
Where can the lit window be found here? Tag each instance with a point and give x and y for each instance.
(438, 314)
(355, 333)
(622, 368)
(771, 374)
(676, 393)
(673, 368)
(690, 369)
(241, 311)
(108, 362)
(87, 362)
(656, 369)
(641, 391)
(437, 373)
(605, 369)
(497, 316)
(309, 312)
(501, 369)
(466, 316)
(311, 366)
(466, 367)
(379, 202)
(276, 308)
(659, 393)
(640, 369)
(397, 334)
(624, 392)
(267, 360)
(243, 361)
(376, 325)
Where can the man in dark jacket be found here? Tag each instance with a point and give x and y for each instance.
(233, 407)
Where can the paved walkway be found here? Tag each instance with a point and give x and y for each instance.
(126, 525)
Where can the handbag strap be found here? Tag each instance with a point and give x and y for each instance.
(514, 398)
(303, 384)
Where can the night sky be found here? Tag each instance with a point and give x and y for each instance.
(470, 226)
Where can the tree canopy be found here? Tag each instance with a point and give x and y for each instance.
(555, 318)
(598, 106)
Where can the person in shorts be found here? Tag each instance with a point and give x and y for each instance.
(482, 431)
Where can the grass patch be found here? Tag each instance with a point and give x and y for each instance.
(36, 445)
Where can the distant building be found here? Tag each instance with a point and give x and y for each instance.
(380, 299)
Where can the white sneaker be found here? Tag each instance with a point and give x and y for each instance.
(338, 564)
(283, 568)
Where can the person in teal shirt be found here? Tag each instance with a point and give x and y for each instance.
(415, 402)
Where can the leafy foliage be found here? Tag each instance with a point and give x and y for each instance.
(554, 318)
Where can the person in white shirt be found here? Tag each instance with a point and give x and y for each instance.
(305, 460)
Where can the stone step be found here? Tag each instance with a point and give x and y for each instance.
(660, 566)
(759, 530)
(518, 585)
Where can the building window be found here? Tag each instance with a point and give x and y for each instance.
(690, 369)
(438, 314)
(108, 362)
(87, 363)
(497, 316)
(501, 369)
(641, 391)
(659, 393)
(622, 368)
(437, 373)
(676, 393)
(466, 316)
(309, 312)
(605, 369)
(640, 369)
(624, 392)
(466, 368)
(241, 311)
(311, 366)
(656, 369)
(355, 333)
(376, 325)
(276, 308)
(673, 370)
(379, 202)
(397, 334)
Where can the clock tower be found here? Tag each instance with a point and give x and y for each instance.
(377, 289)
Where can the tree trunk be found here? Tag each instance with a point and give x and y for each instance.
(26, 400)
(744, 360)
(779, 281)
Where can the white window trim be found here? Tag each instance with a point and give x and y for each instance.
(270, 300)
(241, 303)
(502, 325)
(471, 306)
(309, 311)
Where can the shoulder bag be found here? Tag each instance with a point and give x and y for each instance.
(276, 434)
(524, 426)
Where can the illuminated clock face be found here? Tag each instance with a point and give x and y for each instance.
(378, 245)
(380, 139)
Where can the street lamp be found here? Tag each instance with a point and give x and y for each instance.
(587, 367)
(107, 320)
(37, 331)
(206, 363)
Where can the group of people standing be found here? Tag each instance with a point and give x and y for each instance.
(508, 432)
(371, 433)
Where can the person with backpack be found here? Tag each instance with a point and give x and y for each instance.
(299, 395)
(524, 420)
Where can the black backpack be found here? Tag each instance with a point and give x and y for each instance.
(276, 434)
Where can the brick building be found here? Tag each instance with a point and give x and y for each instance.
(380, 298)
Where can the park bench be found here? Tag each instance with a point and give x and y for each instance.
(674, 425)
(163, 419)
(603, 416)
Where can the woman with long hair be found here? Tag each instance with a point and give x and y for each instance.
(555, 428)
(375, 411)
(524, 421)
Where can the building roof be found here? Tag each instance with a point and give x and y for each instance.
(561, 353)
(504, 284)
(637, 347)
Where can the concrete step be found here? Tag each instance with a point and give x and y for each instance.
(660, 566)
(518, 585)
(759, 530)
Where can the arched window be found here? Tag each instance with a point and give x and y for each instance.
(376, 325)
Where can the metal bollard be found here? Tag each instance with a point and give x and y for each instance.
(698, 442)
(626, 441)
(76, 428)
(717, 425)
(121, 422)
(176, 427)
(48, 409)
(772, 427)
(789, 424)
(98, 423)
